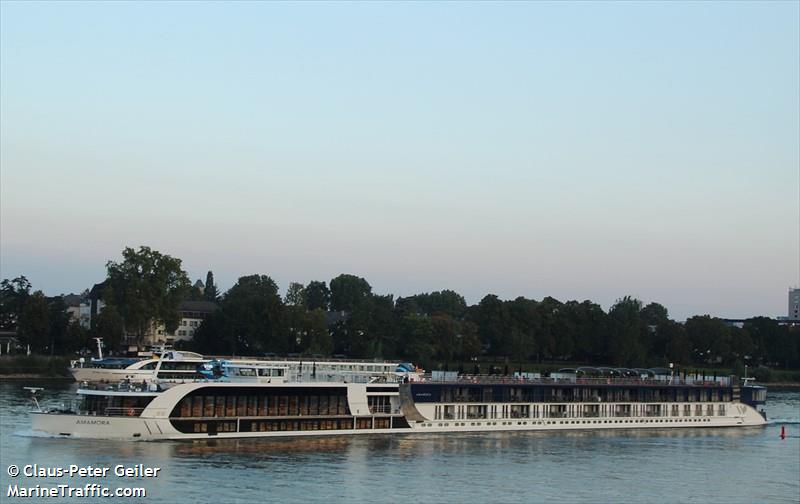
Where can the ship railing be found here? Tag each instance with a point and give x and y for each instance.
(118, 411)
(382, 409)
(498, 379)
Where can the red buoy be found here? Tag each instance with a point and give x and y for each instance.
(783, 432)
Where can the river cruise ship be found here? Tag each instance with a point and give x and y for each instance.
(277, 406)
(179, 366)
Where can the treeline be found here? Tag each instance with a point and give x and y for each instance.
(40, 322)
(343, 316)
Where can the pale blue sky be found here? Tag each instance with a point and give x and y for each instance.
(578, 150)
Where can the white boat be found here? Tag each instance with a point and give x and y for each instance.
(281, 407)
(179, 366)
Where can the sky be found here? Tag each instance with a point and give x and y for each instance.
(575, 150)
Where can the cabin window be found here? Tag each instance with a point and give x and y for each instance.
(185, 407)
(197, 406)
(208, 406)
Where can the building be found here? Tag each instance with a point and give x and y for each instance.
(79, 308)
(192, 315)
(794, 304)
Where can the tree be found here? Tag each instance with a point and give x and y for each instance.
(13, 294)
(469, 343)
(494, 325)
(654, 314)
(445, 332)
(417, 342)
(674, 343)
(445, 302)
(147, 287)
(296, 314)
(348, 292)
(59, 323)
(709, 337)
(214, 335)
(211, 292)
(764, 333)
(110, 326)
(33, 327)
(76, 337)
(295, 295)
(254, 317)
(317, 338)
(628, 338)
(317, 296)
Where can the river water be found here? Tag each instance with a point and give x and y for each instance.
(735, 465)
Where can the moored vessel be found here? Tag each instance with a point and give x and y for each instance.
(449, 403)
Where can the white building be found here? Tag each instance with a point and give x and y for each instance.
(794, 304)
(192, 315)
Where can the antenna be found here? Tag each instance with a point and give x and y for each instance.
(99, 348)
(33, 391)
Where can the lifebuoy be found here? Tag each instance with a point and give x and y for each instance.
(131, 412)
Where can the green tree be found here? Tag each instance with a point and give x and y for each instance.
(549, 313)
(348, 292)
(417, 342)
(317, 338)
(295, 295)
(675, 345)
(318, 296)
(441, 302)
(654, 314)
(211, 291)
(254, 317)
(627, 342)
(33, 327)
(59, 323)
(710, 338)
(494, 325)
(445, 332)
(215, 335)
(742, 346)
(110, 326)
(76, 338)
(13, 294)
(147, 287)
(469, 344)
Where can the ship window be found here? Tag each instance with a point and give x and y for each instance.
(197, 406)
(208, 406)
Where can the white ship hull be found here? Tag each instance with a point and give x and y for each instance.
(148, 428)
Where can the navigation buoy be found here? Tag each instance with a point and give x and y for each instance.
(783, 432)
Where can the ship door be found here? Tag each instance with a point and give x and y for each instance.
(212, 428)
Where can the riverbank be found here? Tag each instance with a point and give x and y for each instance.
(18, 367)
